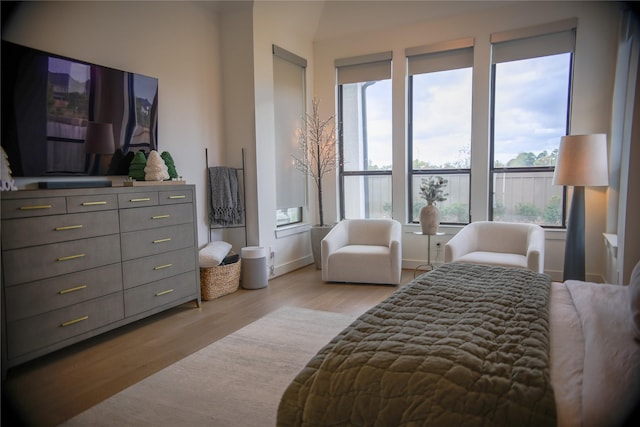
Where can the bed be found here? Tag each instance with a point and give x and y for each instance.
(477, 345)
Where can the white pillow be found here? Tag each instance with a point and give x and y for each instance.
(213, 254)
(634, 296)
(611, 362)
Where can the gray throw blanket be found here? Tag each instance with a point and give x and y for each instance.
(225, 204)
(462, 345)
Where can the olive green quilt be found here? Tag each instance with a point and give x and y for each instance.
(461, 345)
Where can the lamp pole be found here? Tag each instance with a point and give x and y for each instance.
(574, 252)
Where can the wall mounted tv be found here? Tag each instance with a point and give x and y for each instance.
(49, 102)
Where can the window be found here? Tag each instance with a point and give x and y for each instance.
(288, 216)
(68, 102)
(144, 102)
(530, 110)
(439, 108)
(365, 140)
(289, 108)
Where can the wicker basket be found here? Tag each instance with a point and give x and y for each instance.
(219, 281)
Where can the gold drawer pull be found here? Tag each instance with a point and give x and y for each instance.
(104, 202)
(142, 199)
(71, 322)
(67, 258)
(168, 239)
(68, 227)
(177, 197)
(77, 288)
(29, 208)
(160, 216)
(160, 267)
(168, 291)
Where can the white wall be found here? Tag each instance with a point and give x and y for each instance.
(177, 42)
(273, 24)
(237, 85)
(592, 97)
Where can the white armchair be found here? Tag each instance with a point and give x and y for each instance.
(363, 251)
(498, 243)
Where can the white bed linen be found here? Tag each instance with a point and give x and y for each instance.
(595, 361)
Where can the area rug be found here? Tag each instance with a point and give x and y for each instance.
(236, 381)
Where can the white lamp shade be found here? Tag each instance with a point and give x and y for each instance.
(582, 161)
(99, 138)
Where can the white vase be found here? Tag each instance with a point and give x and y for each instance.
(429, 219)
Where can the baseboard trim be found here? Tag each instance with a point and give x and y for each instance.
(296, 264)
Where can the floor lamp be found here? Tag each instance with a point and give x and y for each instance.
(582, 162)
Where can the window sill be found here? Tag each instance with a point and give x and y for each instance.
(451, 229)
(555, 233)
(290, 230)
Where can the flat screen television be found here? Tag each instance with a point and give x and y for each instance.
(49, 102)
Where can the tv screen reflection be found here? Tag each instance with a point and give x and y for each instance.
(49, 102)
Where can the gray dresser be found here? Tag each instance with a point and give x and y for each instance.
(79, 262)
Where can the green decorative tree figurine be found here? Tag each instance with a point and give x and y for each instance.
(171, 166)
(136, 168)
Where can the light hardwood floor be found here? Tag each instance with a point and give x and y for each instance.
(55, 387)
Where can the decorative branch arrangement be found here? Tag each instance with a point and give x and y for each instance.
(316, 140)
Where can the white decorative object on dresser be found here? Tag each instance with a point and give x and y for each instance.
(79, 262)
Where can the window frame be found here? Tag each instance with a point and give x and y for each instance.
(290, 223)
(493, 170)
(444, 56)
(360, 69)
(411, 172)
(342, 174)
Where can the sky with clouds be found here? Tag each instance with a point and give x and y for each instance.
(145, 87)
(531, 111)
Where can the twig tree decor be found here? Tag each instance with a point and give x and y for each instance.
(317, 140)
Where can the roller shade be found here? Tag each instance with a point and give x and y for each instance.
(289, 108)
(543, 40)
(448, 55)
(289, 57)
(364, 68)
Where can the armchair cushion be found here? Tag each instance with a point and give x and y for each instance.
(498, 243)
(363, 251)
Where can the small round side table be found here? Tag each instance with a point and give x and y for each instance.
(428, 263)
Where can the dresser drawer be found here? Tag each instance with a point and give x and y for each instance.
(66, 254)
(175, 196)
(39, 262)
(91, 203)
(155, 217)
(136, 200)
(41, 296)
(146, 297)
(23, 208)
(19, 233)
(148, 269)
(40, 331)
(138, 244)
